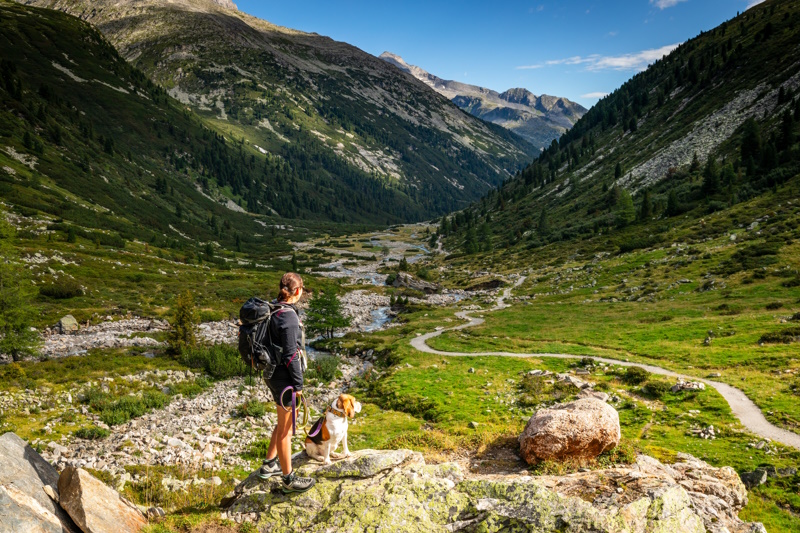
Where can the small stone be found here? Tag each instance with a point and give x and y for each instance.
(471, 370)
(473, 424)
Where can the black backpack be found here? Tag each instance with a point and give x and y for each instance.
(255, 341)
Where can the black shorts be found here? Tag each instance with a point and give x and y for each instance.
(276, 387)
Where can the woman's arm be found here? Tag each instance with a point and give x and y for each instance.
(289, 329)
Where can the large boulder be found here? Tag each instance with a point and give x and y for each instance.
(395, 490)
(94, 506)
(404, 279)
(582, 429)
(67, 324)
(24, 504)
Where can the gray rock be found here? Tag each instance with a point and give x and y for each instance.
(407, 280)
(366, 463)
(24, 505)
(67, 325)
(688, 497)
(754, 479)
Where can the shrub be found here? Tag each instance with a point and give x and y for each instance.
(537, 390)
(252, 408)
(635, 375)
(791, 283)
(61, 289)
(772, 306)
(92, 433)
(324, 369)
(656, 388)
(220, 361)
(154, 399)
(182, 335)
(786, 336)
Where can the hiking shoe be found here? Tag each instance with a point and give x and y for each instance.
(293, 483)
(269, 469)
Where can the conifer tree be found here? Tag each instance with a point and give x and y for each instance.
(626, 212)
(324, 314)
(544, 225)
(184, 320)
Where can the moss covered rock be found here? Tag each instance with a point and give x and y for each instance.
(394, 490)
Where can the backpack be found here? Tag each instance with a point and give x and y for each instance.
(255, 341)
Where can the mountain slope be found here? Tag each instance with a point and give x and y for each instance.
(92, 147)
(372, 144)
(710, 126)
(538, 119)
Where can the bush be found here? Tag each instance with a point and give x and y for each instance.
(253, 408)
(154, 399)
(182, 335)
(536, 390)
(61, 289)
(772, 306)
(92, 433)
(656, 388)
(324, 369)
(781, 337)
(220, 361)
(635, 375)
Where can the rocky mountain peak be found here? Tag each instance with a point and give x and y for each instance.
(227, 4)
(519, 95)
(537, 119)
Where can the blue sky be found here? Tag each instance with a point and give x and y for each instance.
(577, 49)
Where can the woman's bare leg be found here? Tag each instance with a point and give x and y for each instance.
(280, 443)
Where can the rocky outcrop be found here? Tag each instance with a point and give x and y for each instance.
(405, 280)
(24, 503)
(397, 491)
(582, 429)
(95, 507)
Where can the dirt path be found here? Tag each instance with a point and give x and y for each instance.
(743, 408)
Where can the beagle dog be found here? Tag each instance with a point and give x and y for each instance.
(331, 429)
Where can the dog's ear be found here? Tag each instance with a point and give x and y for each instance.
(358, 407)
(349, 410)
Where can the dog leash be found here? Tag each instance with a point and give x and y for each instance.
(294, 410)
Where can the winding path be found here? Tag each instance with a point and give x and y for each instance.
(743, 408)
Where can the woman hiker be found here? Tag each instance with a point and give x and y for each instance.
(286, 332)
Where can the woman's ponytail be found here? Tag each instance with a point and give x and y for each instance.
(290, 282)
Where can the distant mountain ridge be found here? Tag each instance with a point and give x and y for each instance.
(538, 119)
(361, 141)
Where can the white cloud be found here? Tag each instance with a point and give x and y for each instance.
(592, 96)
(595, 62)
(664, 4)
(753, 3)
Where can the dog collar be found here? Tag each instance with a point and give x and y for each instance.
(337, 412)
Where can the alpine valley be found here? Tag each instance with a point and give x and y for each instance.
(555, 319)
(360, 141)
